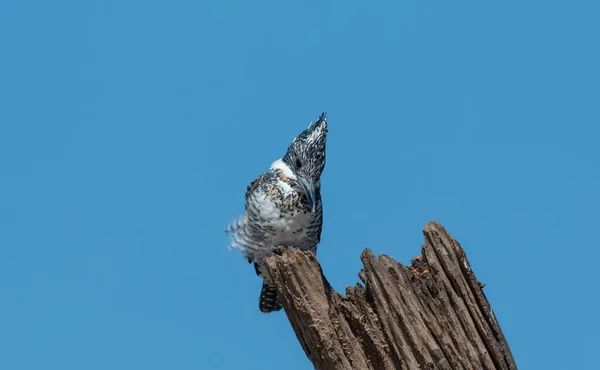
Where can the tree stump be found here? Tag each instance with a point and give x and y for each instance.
(430, 315)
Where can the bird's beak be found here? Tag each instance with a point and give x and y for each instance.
(309, 188)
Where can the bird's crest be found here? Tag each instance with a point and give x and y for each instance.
(306, 153)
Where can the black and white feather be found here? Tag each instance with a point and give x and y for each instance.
(283, 206)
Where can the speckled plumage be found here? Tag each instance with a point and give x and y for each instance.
(283, 206)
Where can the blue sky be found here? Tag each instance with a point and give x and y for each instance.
(129, 131)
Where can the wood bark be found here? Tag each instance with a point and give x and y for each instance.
(430, 315)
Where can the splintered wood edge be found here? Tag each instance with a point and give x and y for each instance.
(480, 309)
(296, 276)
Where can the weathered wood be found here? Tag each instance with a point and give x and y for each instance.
(430, 315)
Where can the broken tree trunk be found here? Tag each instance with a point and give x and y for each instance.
(431, 315)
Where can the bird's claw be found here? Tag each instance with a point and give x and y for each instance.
(278, 250)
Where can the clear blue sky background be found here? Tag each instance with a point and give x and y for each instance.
(130, 129)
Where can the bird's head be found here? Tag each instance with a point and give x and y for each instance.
(304, 160)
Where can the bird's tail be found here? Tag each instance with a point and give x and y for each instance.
(240, 239)
(268, 301)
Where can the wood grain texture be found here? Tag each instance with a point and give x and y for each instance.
(430, 315)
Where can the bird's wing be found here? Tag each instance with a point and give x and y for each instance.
(253, 186)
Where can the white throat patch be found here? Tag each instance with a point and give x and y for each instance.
(287, 172)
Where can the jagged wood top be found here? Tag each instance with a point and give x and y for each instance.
(430, 315)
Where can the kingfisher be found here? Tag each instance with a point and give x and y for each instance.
(283, 207)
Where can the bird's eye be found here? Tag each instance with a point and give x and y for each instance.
(298, 163)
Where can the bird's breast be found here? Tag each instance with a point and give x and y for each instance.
(292, 228)
(286, 215)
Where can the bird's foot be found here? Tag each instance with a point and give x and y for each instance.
(278, 250)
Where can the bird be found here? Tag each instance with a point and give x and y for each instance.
(283, 207)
